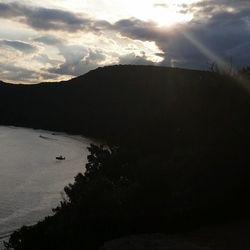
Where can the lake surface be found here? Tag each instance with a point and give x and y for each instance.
(31, 179)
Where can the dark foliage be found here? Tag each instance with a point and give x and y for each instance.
(124, 192)
(182, 159)
(245, 71)
(112, 198)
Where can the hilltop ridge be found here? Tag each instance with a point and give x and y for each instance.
(117, 103)
(177, 155)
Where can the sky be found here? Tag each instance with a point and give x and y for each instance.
(54, 40)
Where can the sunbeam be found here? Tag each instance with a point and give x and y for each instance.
(222, 65)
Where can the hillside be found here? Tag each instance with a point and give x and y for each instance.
(181, 158)
(184, 108)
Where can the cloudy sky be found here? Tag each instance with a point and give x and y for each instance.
(53, 40)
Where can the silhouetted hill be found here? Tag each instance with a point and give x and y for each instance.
(136, 103)
(182, 159)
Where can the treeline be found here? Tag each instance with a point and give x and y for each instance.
(125, 191)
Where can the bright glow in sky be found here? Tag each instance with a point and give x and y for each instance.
(164, 13)
(58, 39)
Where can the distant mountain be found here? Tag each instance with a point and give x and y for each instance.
(137, 105)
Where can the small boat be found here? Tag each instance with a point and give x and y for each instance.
(43, 137)
(60, 158)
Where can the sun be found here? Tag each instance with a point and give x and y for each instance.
(163, 13)
(168, 16)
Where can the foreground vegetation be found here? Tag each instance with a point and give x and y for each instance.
(124, 191)
(182, 159)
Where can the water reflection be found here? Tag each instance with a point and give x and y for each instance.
(31, 178)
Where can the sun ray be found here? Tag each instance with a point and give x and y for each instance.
(222, 64)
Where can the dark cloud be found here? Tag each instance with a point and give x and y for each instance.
(132, 58)
(94, 57)
(205, 8)
(9, 10)
(223, 36)
(18, 45)
(43, 58)
(49, 40)
(53, 19)
(138, 29)
(73, 61)
(78, 60)
(48, 19)
(16, 73)
(219, 30)
(47, 76)
(191, 45)
(93, 60)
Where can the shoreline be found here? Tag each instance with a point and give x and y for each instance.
(77, 137)
(79, 140)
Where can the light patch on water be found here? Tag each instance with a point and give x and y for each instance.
(31, 179)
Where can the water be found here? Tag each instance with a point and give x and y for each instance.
(31, 179)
